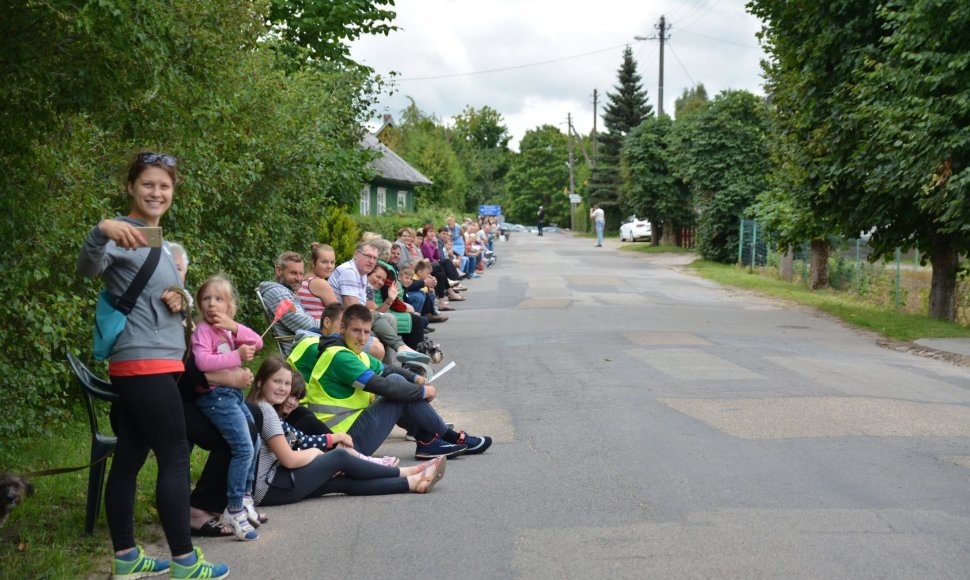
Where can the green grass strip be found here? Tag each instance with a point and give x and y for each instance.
(647, 248)
(887, 322)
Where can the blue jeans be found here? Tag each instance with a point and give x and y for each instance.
(599, 232)
(473, 263)
(416, 299)
(227, 411)
(374, 425)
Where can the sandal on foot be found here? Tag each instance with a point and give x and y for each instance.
(434, 471)
(213, 528)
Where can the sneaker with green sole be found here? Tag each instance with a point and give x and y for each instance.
(141, 567)
(200, 569)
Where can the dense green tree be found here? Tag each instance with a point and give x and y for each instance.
(721, 154)
(816, 51)
(324, 27)
(690, 100)
(264, 147)
(626, 108)
(539, 175)
(423, 141)
(656, 193)
(872, 100)
(914, 102)
(481, 141)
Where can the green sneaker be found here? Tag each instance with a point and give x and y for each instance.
(141, 567)
(199, 569)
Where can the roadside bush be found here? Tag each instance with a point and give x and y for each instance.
(339, 230)
(387, 225)
(263, 149)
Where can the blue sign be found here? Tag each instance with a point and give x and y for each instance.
(489, 210)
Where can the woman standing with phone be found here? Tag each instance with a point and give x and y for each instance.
(144, 362)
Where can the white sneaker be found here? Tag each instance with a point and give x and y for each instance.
(239, 522)
(251, 514)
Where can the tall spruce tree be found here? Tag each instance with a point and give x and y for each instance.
(626, 108)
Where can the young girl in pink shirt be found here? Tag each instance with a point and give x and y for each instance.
(220, 343)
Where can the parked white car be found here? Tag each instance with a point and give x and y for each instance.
(634, 229)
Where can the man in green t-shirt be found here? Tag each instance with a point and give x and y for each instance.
(354, 393)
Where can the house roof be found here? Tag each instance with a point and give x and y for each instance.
(390, 166)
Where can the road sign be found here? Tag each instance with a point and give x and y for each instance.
(489, 210)
(575, 198)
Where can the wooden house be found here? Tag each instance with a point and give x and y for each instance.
(392, 188)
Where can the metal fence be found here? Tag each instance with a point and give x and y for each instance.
(752, 244)
(849, 265)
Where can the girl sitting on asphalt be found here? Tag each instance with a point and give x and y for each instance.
(285, 475)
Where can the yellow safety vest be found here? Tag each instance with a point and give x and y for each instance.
(303, 357)
(338, 406)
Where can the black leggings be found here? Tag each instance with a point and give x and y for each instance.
(441, 288)
(149, 416)
(304, 420)
(448, 267)
(414, 338)
(360, 477)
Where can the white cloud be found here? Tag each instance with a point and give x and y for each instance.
(712, 42)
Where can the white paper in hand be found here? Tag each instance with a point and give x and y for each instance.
(438, 374)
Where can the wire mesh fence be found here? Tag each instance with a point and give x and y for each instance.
(899, 280)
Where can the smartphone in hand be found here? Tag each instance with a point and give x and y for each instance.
(153, 236)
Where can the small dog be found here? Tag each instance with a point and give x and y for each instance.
(13, 490)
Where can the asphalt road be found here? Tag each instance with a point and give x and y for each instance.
(650, 424)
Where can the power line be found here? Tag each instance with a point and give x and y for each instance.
(677, 58)
(514, 67)
(702, 14)
(717, 39)
(693, 10)
(677, 10)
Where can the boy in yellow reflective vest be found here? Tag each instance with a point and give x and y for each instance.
(354, 393)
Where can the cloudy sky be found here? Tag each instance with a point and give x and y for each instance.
(534, 61)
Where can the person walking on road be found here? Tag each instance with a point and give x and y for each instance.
(540, 218)
(599, 219)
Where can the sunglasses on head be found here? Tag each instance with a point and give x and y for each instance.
(149, 157)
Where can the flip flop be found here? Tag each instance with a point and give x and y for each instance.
(213, 528)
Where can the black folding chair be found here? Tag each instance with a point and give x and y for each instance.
(94, 387)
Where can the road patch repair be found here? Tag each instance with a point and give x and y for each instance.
(692, 364)
(666, 339)
(814, 417)
(742, 543)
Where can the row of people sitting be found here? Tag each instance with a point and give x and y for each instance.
(166, 403)
(368, 287)
(335, 353)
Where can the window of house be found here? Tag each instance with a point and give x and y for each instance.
(365, 200)
(381, 200)
(402, 201)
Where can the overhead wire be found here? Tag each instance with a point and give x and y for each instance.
(679, 8)
(724, 40)
(702, 14)
(694, 10)
(693, 83)
(513, 67)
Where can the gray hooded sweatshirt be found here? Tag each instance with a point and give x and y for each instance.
(152, 330)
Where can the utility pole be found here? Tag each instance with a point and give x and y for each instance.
(660, 84)
(593, 135)
(662, 37)
(572, 175)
